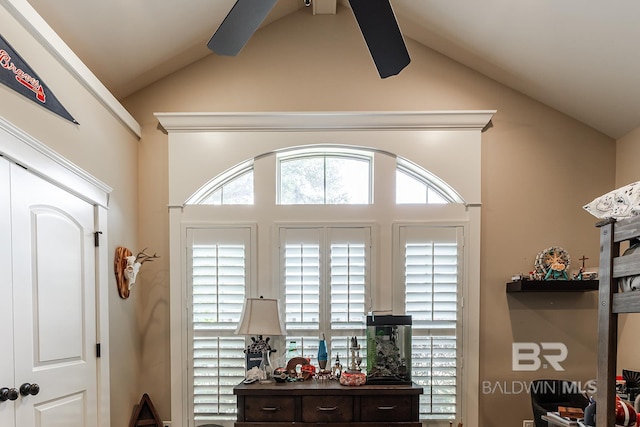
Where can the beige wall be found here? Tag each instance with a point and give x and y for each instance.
(539, 168)
(627, 155)
(106, 149)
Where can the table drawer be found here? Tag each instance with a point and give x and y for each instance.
(269, 408)
(327, 409)
(386, 408)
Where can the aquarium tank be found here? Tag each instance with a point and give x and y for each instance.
(388, 349)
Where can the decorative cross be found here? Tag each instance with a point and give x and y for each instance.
(583, 259)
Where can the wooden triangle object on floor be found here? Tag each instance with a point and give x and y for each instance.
(144, 414)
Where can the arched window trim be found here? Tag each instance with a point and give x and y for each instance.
(429, 179)
(326, 150)
(204, 192)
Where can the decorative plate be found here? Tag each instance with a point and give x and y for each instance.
(553, 258)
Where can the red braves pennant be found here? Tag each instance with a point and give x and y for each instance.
(16, 74)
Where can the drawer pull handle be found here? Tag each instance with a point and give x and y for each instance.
(270, 409)
(386, 408)
(327, 408)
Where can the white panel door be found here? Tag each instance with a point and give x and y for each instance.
(54, 304)
(6, 300)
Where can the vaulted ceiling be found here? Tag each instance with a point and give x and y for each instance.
(577, 56)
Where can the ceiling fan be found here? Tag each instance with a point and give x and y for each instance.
(375, 18)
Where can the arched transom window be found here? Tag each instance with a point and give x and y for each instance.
(326, 176)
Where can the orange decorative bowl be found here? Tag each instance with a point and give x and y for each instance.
(353, 378)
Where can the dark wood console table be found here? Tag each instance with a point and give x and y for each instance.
(311, 402)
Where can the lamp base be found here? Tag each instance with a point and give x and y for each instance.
(265, 368)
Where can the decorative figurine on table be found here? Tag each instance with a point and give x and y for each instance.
(323, 373)
(322, 354)
(356, 360)
(336, 370)
(354, 376)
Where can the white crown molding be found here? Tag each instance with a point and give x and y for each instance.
(326, 121)
(33, 155)
(26, 15)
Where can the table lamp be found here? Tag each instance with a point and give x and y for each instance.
(261, 317)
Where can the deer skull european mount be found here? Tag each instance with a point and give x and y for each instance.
(126, 268)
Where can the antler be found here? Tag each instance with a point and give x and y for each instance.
(143, 257)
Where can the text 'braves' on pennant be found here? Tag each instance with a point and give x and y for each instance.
(16, 74)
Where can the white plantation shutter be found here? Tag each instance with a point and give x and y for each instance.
(219, 275)
(348, 276)
(325, 283)
(302, 280)
(431, 275)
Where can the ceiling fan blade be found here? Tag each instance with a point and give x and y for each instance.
(239, 25)
(381, 33)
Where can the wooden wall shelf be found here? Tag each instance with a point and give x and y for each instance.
(553, 286)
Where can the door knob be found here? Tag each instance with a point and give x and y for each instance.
(27, 389)
(8, 394)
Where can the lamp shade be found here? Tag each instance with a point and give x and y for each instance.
(260, 316)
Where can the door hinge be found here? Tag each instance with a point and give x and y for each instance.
(98, 350)
(96, 238)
